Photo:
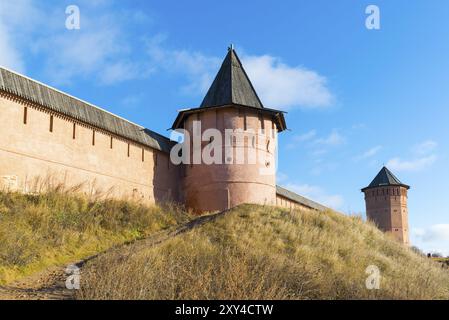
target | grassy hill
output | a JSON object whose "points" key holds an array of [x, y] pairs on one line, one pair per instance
{"points": [[59, 227], [256, 252]]}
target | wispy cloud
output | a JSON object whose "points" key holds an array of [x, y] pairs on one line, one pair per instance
{"points": [[305, 136], [437, 232], [196, 67], [332, 140], [369, 153], [424, 157], [277, 84], [9, 55], [317, 194], [397, 164], [425, 147]]}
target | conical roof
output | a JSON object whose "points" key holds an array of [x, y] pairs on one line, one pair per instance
{"points": [[231, 85], [385, 178]]}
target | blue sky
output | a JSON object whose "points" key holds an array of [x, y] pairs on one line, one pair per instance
{"points": [[356, 98]]}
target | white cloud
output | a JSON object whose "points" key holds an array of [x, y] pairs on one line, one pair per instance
{"points": [[333, 139], [397, 164], [305, 137], [434, 239], [119, 71], [197, 67], [286, 87], [277, 84], [98, 49], [15, 16], [369, 153], [425, 147], [424, 157], [435, 233], [317, 194], [9, 55]]}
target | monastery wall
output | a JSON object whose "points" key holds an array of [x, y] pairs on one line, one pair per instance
{"points": [[39, 148]]}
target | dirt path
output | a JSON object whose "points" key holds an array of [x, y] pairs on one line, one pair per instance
{"points": [[50, 283]]}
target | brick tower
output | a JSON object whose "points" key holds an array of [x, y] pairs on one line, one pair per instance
{"points": [[386, 205], [231, 103]]}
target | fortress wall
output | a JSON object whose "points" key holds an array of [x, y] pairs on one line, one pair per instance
{"points": [[73, 153], [290, 204]]}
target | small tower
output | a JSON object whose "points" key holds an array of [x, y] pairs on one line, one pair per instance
{"points": [[386, 205], [231, 103]]}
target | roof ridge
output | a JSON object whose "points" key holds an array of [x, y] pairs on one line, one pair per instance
{"points": [[61, 102], [69, 95]]}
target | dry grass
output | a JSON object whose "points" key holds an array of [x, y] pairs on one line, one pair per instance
{"points": [[59, 226], [257, 252]]}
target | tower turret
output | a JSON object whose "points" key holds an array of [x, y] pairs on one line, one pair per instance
{"points": [[386, 204], [232, 112]]}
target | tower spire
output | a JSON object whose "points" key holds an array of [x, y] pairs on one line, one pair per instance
{"points": [[232, 85]]}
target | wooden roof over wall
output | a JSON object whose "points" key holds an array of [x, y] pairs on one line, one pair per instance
{"points": [[300, 199], [60, 102]]}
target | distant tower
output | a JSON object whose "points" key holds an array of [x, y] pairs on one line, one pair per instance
{"points": [[386, 205], [231, 103]]}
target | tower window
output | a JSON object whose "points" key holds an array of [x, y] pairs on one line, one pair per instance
{"points": [[143, 154], [110, 142], [51, 123], [25, 115], [128, 149], [73, 131], [93, 137]]}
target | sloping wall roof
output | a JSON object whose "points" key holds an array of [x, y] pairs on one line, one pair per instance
{"points": [[300, 199], [65, 104]]}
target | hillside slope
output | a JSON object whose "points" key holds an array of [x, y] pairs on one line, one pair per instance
{"points": [[256, 252], [60, 227]]}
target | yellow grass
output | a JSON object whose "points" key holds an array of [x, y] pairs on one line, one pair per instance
{"points": [[257, 252], [58, 227]]}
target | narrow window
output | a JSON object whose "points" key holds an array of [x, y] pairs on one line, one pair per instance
{"points": [[143, 154], [245, 126], [51, 123], [25, 115], [110, 143], [93, 137], [128, 149], [74, 131], [268, 145]]}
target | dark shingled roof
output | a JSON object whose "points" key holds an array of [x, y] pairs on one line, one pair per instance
{"points": [[231, 85], [300, 199], [232, 88], [385, 178], [82, 111]]}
